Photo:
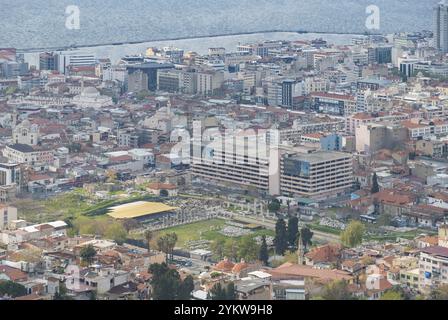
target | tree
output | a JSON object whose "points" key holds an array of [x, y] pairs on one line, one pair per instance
{"points": [[172, 240], [231, 249], [274, 205], [441, 293], [87, 253], [217, 292], [307, 235], [11, 289], [352, 235], [392, 295], [264, 254], [130, 224], [375, 186], [148, 238], [93, 295], [280, 240], [337, 290], [248, 249], [162, 245], [10, 90], [115, 231], [220, 292], [185, 288], [143, 94], [293, 228], [230, 291], [218, 249], [61, 294], [166, 286], [111, 175], [165, 282], [166, 244]]}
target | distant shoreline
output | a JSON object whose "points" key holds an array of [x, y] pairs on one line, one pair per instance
{"points": [[74, 47]]}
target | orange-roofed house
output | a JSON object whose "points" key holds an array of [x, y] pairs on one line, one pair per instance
{"points": [[324, 255], [321, 276], [224, 265], [162, 189]]}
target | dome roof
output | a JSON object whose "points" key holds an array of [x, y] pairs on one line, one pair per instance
{"points": [[224, 265], [90, 91], [240, 266], [26, 123]]}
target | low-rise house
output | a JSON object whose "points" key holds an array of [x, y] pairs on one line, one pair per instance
{"points": [[410, 278], [33, 232], [322, 276], [376, 285], [288, 289], [324, 256], [253, 289], [12, 274], [162, 189], [427, 241], [352, 266], [124, 291]]}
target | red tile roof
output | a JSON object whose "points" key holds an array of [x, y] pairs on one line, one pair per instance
{"points": [[13, 274]]}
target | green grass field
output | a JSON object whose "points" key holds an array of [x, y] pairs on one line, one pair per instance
{"points": [[205, 230]]}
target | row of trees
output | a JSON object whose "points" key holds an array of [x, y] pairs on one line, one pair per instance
{"points": [[103, 226], [286, 236]]}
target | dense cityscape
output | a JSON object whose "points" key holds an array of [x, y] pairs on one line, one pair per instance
{"points": [[277, 170]]}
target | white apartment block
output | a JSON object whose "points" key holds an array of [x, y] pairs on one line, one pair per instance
{"points": [[22, 153], [7, 214], [423, 128], [317, 174], [433, 263], [209, 81], [243, 160]]}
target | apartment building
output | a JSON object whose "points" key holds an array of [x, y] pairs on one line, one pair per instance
{"points": [[333, 103], [433, 263], [7, 214], [318, 174], [235, 161], [23, 153], [419, 128]]}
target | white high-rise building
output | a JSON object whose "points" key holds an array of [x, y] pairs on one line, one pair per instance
{"points": [[440, 21], [75, 59]]}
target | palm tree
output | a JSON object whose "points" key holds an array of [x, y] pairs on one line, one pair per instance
{"points": [[172, 240], [148, 237], [162, 245], [166, 244]]}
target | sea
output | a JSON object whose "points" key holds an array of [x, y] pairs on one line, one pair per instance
{"points": [[26, 24]]}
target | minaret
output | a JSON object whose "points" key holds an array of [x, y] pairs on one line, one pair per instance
{"points": [[168, 107], [300, 251], [14, 118]]}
